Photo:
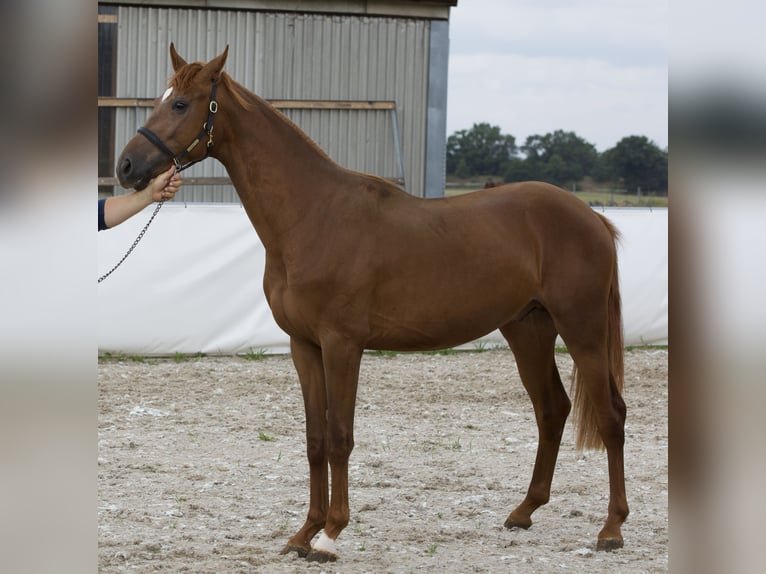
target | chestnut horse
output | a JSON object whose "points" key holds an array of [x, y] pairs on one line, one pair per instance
{"points": [[353, 262]]}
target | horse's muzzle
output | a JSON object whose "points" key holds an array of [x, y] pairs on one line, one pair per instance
{"points": [[129, 175]]}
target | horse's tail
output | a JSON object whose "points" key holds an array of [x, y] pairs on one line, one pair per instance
{"points": [[588, 436]]}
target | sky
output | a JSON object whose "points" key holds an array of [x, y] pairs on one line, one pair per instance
{"points": [[598, 68]]}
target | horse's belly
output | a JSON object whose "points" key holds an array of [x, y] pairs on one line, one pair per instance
{"points": [[431, 327]]}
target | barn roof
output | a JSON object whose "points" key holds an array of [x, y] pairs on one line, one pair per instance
{"points": [[431, 9]]}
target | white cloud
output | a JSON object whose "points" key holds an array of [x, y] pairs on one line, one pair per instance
{"points": [[595, 67], [525, 96], [620, 31]]}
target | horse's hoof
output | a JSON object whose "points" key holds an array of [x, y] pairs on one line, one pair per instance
{"points": [[299, 550], [323, 550], [511, 523], [609, 544], [319, 556]]}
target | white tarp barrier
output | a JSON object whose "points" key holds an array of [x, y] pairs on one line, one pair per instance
{"points": [[195, 283]]}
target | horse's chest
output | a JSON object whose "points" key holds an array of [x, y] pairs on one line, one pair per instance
{"points": [[287, 306]]}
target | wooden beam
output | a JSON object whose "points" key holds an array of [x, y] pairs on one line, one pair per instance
{"points": [[213, 180], [107, 18], [333, 104], [111, 102], [186, 181]]}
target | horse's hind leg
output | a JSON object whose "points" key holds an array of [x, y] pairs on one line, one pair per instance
{"points": [[603, 416], [532, 340]]}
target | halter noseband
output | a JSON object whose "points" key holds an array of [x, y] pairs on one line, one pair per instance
{"points": [[207, 129]]}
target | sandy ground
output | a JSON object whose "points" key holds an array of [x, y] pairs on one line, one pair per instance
{"points": [[202, 468]]}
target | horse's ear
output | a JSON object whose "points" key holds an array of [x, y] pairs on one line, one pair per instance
{"points": [[214, 67], [178, 61]]}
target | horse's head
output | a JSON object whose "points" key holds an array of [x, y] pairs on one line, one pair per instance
{"points": [[180, 129]]}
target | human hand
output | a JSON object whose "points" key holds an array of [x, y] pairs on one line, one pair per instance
{"points": [[164, 186]]}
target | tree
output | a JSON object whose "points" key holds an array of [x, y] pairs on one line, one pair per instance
{"points": [[561, 158], [482, 150], [519, 169], [639, 163]]}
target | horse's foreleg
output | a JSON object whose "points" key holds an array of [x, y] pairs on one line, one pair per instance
{"points": [[308, 363], [341, 362], [532, 341]]}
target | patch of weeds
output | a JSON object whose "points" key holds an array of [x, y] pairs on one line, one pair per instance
{"points": [[447, 352], [255, 354], [183, 357], [630, 348], [382, 353], [481, 346], [432, 549], [265, 437]]}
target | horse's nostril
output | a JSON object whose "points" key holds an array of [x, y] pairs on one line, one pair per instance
{"points": [[125, 167]]}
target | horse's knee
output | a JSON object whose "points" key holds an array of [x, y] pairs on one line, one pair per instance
{"points": [[340, 443], [315, 450], [340, 447]]}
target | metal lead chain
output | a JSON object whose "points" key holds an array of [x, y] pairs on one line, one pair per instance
{"points": [[132, 247]]}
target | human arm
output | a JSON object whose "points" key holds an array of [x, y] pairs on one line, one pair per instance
{"points": [[121, 207]]}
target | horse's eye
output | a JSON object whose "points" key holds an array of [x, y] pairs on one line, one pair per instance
{"points": [[179, 105]]}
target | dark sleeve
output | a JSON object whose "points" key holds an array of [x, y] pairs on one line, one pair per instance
{"points": [[101, 222]]}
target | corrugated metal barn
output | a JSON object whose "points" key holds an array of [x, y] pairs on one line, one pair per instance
{"points": [[366, 79]]}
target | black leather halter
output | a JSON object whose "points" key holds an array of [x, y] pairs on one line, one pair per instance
{"points": [[207, 130]]}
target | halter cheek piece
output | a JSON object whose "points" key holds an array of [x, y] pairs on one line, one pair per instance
{"points": [[207, 130]]}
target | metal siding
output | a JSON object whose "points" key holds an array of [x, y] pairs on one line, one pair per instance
{"points": [[436, 124], [292, 56]]}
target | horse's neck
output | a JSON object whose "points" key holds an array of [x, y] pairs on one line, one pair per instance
{"points": [[280, 175]]}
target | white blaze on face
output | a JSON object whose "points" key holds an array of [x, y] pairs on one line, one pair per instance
{"points": [[167, 93]]}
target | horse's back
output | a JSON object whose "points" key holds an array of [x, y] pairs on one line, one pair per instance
{"points": [[555, 214]]}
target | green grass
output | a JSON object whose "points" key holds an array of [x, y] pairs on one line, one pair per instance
{"points": [[183, 357], [255, 355], [595, 197], [609, 198], [479, 347], [120, 358]]}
